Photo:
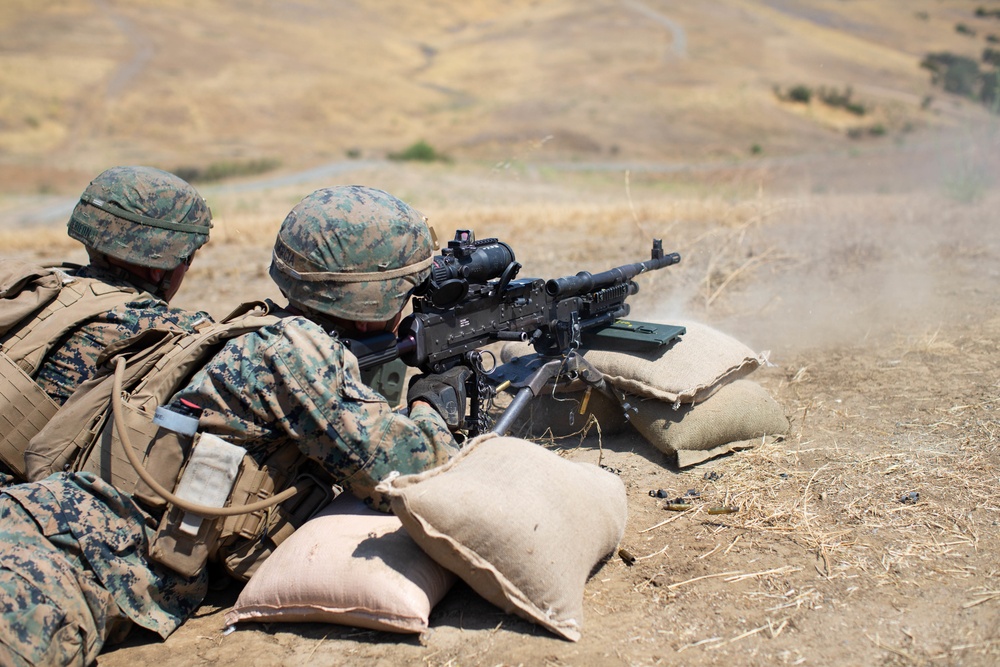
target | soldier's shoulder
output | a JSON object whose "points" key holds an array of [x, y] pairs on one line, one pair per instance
{"points": [[298, 333]]}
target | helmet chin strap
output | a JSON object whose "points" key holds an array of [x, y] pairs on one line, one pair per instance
{"points": [[163, 287], [343, 327], [158, 289]]}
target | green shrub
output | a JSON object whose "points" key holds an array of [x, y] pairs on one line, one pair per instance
{"points": [[876, 130], [961, 77], [963, 29], [956, 74], [938, 63], [833, 97], [189, 174], [856, 108], [989, 93], [800, 93], [218, 171], [419, 151]]}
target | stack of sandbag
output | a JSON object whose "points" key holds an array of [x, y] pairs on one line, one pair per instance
{"points": [[519, 524], [690, 398]]}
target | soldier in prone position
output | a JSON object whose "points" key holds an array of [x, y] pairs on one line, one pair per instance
{"points": [[76, 569], [141, 227]]}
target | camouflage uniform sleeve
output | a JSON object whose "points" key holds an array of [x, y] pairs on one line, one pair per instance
{"points": [[293, 380]]}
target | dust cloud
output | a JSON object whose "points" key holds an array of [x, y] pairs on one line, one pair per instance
{"points": [[861, 261]]}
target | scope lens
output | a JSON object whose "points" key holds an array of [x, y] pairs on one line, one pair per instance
{"points": [[484, 263]]}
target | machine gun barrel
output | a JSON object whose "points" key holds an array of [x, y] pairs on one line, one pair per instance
{"points": [[462, 310], [584, 281]]}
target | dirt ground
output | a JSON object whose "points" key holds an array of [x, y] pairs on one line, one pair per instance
{"points": [[869, 535]]}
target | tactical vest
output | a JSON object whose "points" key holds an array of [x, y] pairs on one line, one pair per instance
{"points": [[83, 437], [39, 307]]}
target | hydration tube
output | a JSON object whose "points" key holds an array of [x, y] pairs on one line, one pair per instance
{"points": [[186, 505]]}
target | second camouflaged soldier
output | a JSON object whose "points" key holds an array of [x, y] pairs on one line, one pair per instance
{"points": [[141, 227], [347, 259]]}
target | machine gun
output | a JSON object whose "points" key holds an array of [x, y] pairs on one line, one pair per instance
{"points": [[474, 298]]}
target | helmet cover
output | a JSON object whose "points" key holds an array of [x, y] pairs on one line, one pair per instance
{"points": [[143, 216], [353, 252]]}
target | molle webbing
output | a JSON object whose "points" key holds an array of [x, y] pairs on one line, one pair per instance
{"points": [[81, 437], [24, 406], [24, 409], [170, 364], [80, 300]]}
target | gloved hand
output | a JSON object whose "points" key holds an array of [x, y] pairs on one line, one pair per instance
{"points": [[445, 392]]}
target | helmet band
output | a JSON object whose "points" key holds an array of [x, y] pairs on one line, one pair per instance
{"points": [[345, 277], [142, 219]]}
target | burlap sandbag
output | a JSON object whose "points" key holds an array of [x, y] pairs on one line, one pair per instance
{"points": [[738, 412], [521, 525], [348, 565], [686, 371]]}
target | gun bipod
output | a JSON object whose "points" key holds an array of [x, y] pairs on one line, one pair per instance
{"points": [[533, 374]]}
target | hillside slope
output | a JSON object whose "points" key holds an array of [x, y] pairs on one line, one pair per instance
{"points": [[170, 82]]}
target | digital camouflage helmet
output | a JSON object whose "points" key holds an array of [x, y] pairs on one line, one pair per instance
{"points": [[353, 252], [143, 216]]}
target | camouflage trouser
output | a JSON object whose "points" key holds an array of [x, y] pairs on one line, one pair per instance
{"points": [[53, 611], [74, 573]]}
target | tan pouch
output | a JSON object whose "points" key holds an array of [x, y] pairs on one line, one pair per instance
{"points": [[24, 409], [181, 552], [184, 540], [25, 288], [246, 540], [243, 541], [161, 451]]}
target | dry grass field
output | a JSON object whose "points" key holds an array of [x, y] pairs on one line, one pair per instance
{"points": [[868, 269], [172, 83]]}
